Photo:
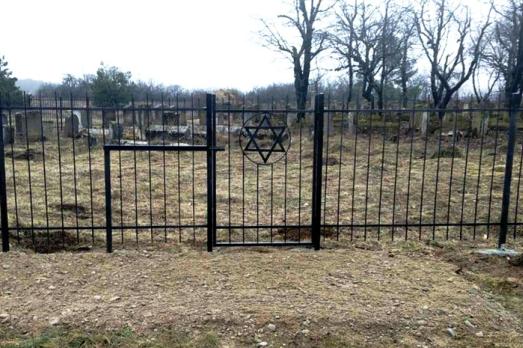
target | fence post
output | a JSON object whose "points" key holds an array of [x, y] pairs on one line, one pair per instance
{"points": [[211, 170], [108, 205], [3, 190], [317, 171], [514, 105]]}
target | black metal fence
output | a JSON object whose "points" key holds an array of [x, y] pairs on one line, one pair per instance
{"points": [[243, 172]]}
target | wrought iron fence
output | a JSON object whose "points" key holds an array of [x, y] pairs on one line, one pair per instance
{"points": [[242, 172]]}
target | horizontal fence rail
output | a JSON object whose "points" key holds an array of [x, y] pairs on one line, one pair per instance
{"points": [[416, 173]]}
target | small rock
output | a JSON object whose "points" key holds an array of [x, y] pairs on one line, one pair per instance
{"points": [[262, 344], [114, 299], [305, 331], [479, 334], [469, 324], [51, 287], [451, 332], [97, 297], [271, 327], [54, 321], [4, 317]]}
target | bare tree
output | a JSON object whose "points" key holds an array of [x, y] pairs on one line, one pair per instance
{"points": [[310, 43], [504, 51], [366, 43], [406, 67], [450, 67], [488, 78]]}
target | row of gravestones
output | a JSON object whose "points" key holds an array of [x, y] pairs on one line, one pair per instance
{"points": [[30, 126], [418, 121]]}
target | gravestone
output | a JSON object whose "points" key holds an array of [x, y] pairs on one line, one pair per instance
{"points": [[172, 118], [424, 123], [202, 117], [328, 124], [156, 115], [73, 125], [108, 117], [128, 117], [86, 121], [350, 124], [7, 131], [116, 131], [19, 124], [29, 125], [480, 122]]}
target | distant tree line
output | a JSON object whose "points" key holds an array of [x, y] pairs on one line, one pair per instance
{"points": [[108, 87]]}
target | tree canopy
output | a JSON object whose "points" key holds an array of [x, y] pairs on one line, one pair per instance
{"points": [[111, 87], [8, 89]]}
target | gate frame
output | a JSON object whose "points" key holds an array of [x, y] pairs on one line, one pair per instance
{"points": [[317, 171]]}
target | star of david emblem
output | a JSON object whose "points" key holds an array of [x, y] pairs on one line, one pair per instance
{"points": [[265, 138]]}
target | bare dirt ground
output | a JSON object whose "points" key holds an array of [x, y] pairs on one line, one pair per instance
{"points": [[364, 294]]}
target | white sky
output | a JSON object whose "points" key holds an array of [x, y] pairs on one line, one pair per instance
{"points": [[192, 43], [203, 44]]}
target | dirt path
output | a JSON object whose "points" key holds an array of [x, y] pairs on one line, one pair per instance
{"points": [[294, 297]]}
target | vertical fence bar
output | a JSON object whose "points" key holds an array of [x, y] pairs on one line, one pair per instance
{"points": [[211, 171], [514, 104], [108, 206], [317, 170], [3, 187]]}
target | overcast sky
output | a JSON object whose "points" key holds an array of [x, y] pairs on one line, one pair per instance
{"points": [[193, 43]]}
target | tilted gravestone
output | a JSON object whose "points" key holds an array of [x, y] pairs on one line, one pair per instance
{"points": [[73, 125], [29, 125]]}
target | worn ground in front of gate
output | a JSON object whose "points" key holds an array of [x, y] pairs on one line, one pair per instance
{"points": [[393, 294]]}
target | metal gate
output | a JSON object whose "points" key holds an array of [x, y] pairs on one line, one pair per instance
{"points": [[278, 155], [255, 144]]}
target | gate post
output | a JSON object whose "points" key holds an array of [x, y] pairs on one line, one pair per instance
{"points": [[3, 191], [211, 170], [514, 105], [317, 171], [108, 199]]}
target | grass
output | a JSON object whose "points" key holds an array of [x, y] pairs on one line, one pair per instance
{"points": [[377, 190], [62, 337]]}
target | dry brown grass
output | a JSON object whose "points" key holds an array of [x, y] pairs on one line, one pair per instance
{"points": [[277, 202]]}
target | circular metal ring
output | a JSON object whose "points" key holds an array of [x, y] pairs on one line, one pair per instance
{"points": [[264, 136]]}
